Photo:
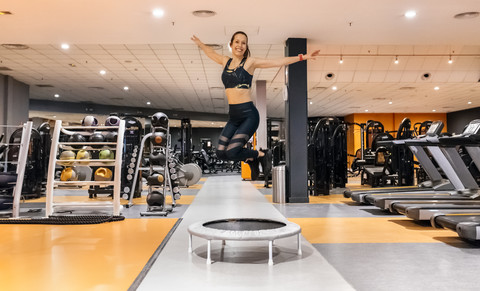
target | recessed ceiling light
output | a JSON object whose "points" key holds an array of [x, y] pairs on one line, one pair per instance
{"points": [[148, 102], [311, 102], [366, 110], [390, 102], [158, 13], [204, 13], [103, 72], [65, 46], [396, 60], [436, 88], [410, 14], [467, 15], [334, 88], [434, 110], [469, 102], [126, 88], [56, 95], [450, 60]]}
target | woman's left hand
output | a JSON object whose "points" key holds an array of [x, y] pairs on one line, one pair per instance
{"points": [[312, 55]]}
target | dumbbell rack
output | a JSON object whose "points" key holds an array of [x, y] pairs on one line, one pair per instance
{"points": [[163, 169], [21, 162], [52, 184]]}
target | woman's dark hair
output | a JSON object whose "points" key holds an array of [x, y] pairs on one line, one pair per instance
{"points": [[246, 54]]}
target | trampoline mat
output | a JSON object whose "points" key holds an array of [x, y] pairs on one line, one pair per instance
{"points": [[244, 224]]}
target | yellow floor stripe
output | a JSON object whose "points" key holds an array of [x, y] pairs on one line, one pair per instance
{"points": [[370, 230], [329, 199], [105, 256]]}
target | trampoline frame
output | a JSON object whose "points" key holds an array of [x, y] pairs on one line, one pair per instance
{"points": [[199, 229]]}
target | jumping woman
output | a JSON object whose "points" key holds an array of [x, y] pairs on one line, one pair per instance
{"points": [[243, 116]]}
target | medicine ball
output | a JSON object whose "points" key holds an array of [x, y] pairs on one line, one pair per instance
{"points": [[67, 155], [103, 174], [111, 136], [112, 121], [155, 179], [157, 158], [96, 137], [160, 119], [159, 138], [68, 174], [155, 198], [84, 173], [106, 155], [77, 137], [89, 121], [83, 155]]}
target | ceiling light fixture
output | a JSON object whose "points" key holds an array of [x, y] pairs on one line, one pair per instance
{"points": [[341, 59], [334, 88], [436, 88], [390, 102], [15, 46], [5, 13], [204, 13], [65, 46], [125, 88], [148, 102], [366, 110], [103, 72], [311, 102], [56, 96], [158, 13], [396, 59], [469, 102], [467, 15], [434, 110], [410, 14], [450, 59]]}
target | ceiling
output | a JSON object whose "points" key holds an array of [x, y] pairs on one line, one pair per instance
{"points": [[155, 58]]}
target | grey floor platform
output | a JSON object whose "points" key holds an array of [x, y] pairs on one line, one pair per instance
{"points": [[239, 265]]}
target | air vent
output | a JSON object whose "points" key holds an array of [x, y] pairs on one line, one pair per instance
{"points": [[215, 46], [467, 15], [355, 107], [5, 69], [218, 98], [407, 88], [447, 107], [15, 46], [329, 76], [44, 85], [204, 13], [379, 98], [96, 88], [319, 88]]}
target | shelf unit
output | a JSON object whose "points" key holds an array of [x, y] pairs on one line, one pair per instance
{"points": [[21, 162], [52, 184], [163, 169]]}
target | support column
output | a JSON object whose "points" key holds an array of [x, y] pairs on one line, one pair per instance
{"points": [[296, 114], [14, 101], [261, 105]]}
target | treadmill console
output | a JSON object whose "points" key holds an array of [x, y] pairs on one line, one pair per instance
{"points": [[435, 129], [472, 128]]}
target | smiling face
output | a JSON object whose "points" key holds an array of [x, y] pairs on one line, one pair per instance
{"points": [[239, 44]]}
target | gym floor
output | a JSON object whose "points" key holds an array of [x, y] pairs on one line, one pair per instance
{"points": [[346, 246]]}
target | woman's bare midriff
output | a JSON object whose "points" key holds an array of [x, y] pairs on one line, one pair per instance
{"points": [[237, 96]]}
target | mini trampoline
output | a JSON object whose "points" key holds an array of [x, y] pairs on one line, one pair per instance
{"points": [[244, 229]]}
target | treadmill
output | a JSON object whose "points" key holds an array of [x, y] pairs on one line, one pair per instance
{"points": [[436, 182], [467, 225], [445, 153]]}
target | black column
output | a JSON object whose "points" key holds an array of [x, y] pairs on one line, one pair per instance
{"points": [[296, 123]]}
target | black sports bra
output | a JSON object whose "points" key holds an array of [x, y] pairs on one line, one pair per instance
{"points": [[238, 77]]}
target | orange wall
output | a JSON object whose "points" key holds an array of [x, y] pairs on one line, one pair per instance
{"points": [[390, 121]]}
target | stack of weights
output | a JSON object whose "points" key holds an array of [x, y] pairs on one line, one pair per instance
{"points": [[173, 167]]}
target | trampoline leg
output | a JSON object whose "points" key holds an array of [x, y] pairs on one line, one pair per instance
{"points": [[190, 243], [270, 247], [209, 259], [299, 245]]}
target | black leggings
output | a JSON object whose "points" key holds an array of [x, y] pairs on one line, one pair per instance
{"points": [[242, 124]]}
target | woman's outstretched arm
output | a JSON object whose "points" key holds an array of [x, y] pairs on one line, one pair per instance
{"points": [[271, 63], [213, 55]]}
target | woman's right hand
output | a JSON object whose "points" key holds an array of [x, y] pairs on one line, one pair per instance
{"points": [[196, 40]]}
